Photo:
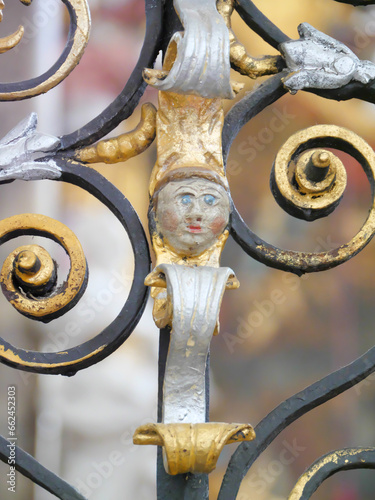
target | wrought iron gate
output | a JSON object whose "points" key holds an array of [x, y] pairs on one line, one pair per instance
{"points": [[307, 180]]}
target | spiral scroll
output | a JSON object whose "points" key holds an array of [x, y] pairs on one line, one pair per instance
{"points": [[286, 194], [28, 274], [23, 262]]}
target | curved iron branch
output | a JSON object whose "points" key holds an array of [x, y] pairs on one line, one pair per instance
{"points": [[123, 106], [326, 466], [259, 23], [250, 106], [287, 412]]}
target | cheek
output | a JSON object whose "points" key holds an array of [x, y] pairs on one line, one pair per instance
{"points": [[218, 224], [169, 220]]}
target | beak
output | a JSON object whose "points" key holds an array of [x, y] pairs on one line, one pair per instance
{"points": [[26, 2]]}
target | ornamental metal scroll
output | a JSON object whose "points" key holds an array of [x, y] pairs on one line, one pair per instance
{"points": [[191, 215]]}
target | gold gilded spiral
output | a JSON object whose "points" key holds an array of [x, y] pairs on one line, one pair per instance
{"points": [[29, 274], [310, 184]]}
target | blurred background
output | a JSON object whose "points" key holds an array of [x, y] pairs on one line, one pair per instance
{"points": [[82, 427]]}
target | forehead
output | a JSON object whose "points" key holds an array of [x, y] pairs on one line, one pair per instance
{"points": [[195, 186]]}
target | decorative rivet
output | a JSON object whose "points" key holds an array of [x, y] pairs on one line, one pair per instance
{"points": [[27, 262]]}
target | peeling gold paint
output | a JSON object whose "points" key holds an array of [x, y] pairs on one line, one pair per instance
{"points": [[9, 355], [334, 457]]}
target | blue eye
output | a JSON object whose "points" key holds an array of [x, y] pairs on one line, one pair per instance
{"points": [[186, 199], [209, 199]]}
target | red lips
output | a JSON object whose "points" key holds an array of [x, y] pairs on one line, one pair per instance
{"points": [[195, 229]]}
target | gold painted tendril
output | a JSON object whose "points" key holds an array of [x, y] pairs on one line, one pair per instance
{"points": [[126, 145], [29, 275], [241, 61]]}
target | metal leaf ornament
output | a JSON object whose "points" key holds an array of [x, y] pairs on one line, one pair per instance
{"points": [[20, 150], [318, 61]]}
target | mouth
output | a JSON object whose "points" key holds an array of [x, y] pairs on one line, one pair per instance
{"points": [[194, 228]]}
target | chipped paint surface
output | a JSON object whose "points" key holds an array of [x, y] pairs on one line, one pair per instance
{"points": [[17, 360]]}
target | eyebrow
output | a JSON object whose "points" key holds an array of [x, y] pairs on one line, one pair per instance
{"points": [[186, 189], [192, 190]]}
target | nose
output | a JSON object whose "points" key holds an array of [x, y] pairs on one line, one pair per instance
{"points": [[195, 212]]}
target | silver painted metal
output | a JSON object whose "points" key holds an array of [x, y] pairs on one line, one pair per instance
{"points": [[20, 149], [195, 294], [318, 61], [202, 65]]}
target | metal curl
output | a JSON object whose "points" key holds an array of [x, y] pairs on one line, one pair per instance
{"points": [[288, 412], [326, 466], [28, 274], [301, 262], [104, 343], [78, 37]]}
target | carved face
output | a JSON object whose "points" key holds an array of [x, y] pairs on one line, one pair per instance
{"points": [[192, 214]]}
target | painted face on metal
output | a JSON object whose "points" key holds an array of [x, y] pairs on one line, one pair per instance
{"points": [[192, 214]]}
